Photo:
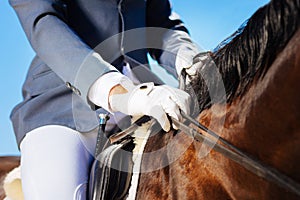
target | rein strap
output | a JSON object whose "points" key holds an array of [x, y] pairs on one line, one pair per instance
{"points": [[237, 155]]}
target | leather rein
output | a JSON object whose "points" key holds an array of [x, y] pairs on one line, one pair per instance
{"points": [[238, 156], [232, 152], [223, 147]]}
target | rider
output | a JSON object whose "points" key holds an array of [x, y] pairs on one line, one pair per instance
{"points": [[76, 67]]}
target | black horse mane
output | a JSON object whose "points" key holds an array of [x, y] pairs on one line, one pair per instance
{"points": [[249, 55]]}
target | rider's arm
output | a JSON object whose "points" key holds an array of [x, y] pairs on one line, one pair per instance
{"points": [[58, 45], [174, 41]]}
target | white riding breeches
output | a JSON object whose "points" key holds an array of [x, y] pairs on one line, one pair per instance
{"points": [[56, 160], [55, 163]]}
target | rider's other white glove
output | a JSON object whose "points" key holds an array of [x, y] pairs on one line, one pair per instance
{"points": [[190, 65], [144, 99]]}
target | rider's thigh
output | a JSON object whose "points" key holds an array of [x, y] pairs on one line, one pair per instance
{"points": [[54, 164]]}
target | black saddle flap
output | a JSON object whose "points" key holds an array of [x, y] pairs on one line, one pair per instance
{"points": [[111, 172]]}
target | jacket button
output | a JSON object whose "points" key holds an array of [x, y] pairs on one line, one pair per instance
{"points": [[68, 84], [76, 91]]}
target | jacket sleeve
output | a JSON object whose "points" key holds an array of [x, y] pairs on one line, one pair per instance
{"points": [[174, 39], [57, 45]]}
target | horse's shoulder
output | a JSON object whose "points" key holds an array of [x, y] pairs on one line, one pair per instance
{"points": [[8, 163]]}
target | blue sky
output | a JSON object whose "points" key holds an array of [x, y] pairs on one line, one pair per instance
{"points": [[209, 22]]}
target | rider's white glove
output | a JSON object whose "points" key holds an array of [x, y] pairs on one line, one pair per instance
{"points": [[143, 99], [190, 65]]}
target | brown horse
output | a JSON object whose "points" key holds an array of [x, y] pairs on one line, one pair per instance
{"points": [[261, 73], [6, 165]]}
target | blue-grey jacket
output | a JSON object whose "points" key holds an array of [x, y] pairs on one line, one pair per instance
{"points": [[70, 40]]}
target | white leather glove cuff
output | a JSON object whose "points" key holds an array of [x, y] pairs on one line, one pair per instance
{"points": [[184, 59], [100, 89], [123, 103]]}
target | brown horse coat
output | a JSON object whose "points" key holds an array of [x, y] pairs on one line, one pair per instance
{"points": [[7, 164]]}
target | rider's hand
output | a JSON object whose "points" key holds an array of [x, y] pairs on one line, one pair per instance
{"points": [[191, 69], [145, 99]]}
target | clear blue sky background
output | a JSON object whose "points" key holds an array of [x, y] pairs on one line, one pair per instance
{"points": [[209, 21]]}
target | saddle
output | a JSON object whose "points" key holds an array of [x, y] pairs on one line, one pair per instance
{"points": [[111, 172]]}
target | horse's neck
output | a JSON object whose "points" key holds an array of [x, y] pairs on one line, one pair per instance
{"points": [[271, 108], [265, 121]]}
